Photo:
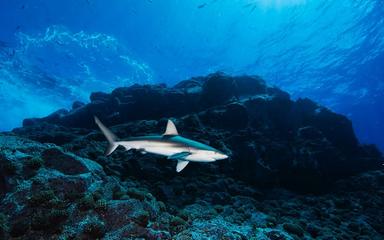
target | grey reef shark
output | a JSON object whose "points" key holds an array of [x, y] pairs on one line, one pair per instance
{"points": [[170, 144]]}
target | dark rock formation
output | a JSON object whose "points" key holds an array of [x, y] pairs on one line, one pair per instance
{"points": [[55, 182], [271, 139]]}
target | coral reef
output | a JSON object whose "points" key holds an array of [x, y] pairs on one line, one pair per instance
{"points": [[271, 138], [296, 169]]}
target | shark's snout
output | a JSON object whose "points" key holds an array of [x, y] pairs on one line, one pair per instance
{"points": [[221, 156]]}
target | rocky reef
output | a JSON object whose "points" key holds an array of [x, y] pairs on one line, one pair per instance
{"points": [[296, 169]]}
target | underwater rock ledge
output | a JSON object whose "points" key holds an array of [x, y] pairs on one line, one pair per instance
{"points": [[272, 139], [55, 182]]}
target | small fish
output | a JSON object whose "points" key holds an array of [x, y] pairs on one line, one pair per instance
{"points": [[206, 4], [59, 43], [252, 6], [202, 5]]}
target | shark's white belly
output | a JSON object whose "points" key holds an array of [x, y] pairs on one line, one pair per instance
{"points": [[169, 148], [157, 147], [199, 156], [164, 151]]}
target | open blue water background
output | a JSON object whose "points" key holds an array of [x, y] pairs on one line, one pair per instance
{"points": [[55, 52]]}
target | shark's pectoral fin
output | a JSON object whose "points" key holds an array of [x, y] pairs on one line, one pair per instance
{"points": [[181, 164], [179, 155]]}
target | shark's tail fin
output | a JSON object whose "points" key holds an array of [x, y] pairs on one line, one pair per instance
{"points": [[109, 135]]}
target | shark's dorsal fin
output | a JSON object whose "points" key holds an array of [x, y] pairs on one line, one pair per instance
{"points": [[171, 129], [181, 165]]}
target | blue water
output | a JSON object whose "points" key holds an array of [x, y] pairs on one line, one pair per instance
{"points": [[55, 52]]}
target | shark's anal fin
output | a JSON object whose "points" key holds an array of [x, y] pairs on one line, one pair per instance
{"points": [[171, 129], [181, 164], [180, 155]]}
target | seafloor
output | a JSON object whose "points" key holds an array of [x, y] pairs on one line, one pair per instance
{"points": [[296, 169]]}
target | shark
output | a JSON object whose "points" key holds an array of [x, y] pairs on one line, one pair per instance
{"points": [[170, 144]]}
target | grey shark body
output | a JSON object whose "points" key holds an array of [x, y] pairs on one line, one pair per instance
{"points": [[170, 144]]}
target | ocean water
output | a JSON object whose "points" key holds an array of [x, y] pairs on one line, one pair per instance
{"points": [[55, 52], [260, 92]]}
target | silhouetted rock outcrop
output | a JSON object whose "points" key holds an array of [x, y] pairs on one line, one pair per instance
{"points": [[271, 138], [56, 183]]}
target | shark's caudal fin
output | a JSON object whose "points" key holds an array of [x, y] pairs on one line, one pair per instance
{"points": [[109, 135]]}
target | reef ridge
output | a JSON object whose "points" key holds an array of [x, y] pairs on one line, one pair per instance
{"points": [[296, 169]]}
